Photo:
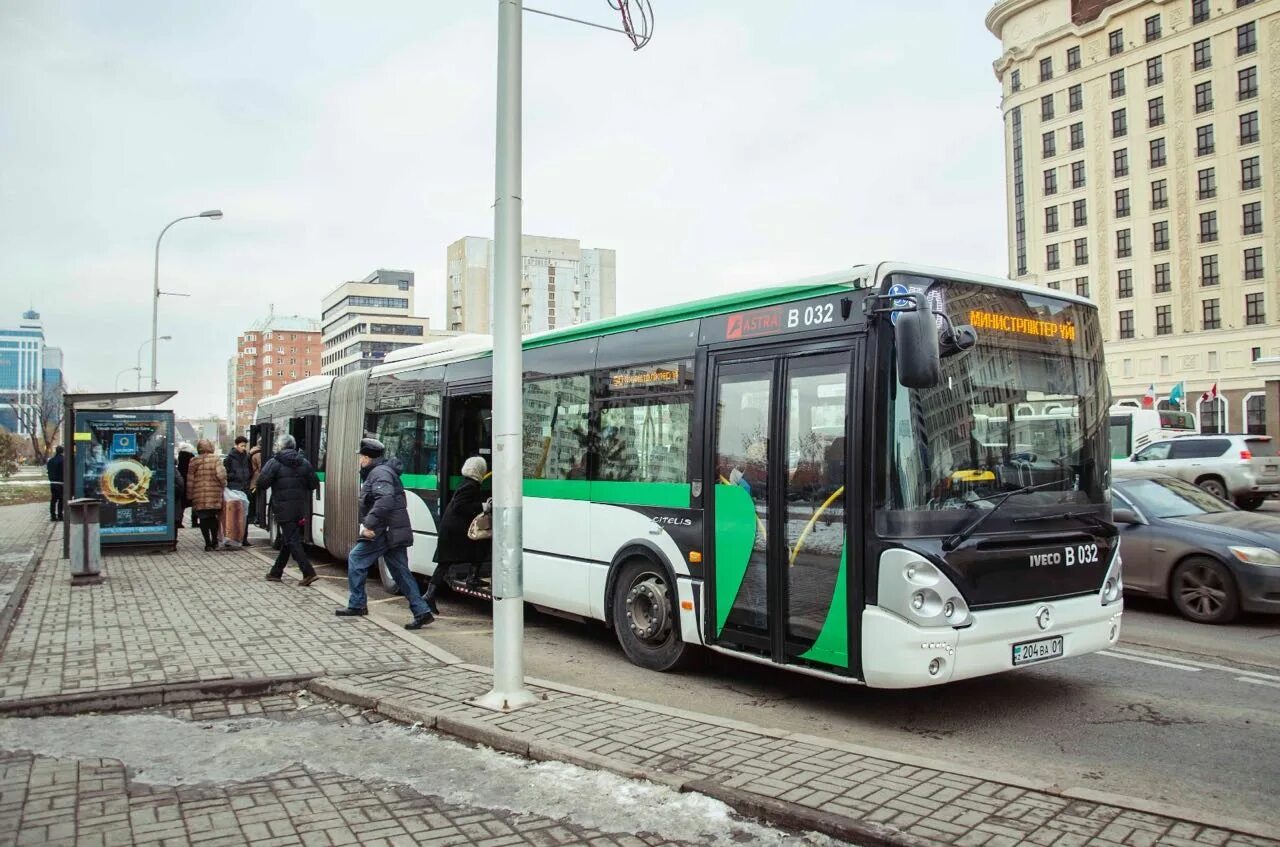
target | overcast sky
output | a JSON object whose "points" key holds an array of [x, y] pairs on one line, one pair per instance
{"points": [[748, 144]]}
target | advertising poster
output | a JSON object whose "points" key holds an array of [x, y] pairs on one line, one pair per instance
{"points": [[125, 460]]}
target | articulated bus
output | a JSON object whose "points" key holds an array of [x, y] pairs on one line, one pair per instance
{"points": [[793, 475]]}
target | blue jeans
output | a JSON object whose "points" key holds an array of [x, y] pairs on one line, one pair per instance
{"points": [[365, 555]]}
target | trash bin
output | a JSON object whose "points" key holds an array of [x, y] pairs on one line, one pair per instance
{"points": [[86, 544]]}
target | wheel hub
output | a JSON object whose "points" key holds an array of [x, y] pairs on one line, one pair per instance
{"points": [[648, 613]]}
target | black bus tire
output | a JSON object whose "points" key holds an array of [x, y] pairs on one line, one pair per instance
{"points": [[645, 617]]}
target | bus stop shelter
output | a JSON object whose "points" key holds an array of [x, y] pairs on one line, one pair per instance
{"points": [[119, 450]]}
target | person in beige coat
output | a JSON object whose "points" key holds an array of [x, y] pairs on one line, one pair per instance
{"points": [[206, 478]]}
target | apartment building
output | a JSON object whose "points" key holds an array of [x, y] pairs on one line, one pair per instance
{"points": [[364, 321], [1142, 172], [272, 353]]}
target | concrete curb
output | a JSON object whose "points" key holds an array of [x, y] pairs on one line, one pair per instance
{"points": [[13, 606], [143, 696]]}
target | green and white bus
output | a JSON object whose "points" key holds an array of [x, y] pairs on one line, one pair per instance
{"points": [[792, 475]]}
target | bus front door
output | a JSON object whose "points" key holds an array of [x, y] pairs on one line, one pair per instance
{"points": [[779, 453]]}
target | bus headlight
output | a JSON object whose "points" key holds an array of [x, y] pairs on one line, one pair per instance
{"points": [[1113, 584], [917, 590]]}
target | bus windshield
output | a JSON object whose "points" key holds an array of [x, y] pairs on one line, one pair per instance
{"points": [[1027, 406]]}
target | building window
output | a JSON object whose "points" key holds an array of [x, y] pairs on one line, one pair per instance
{"points": [[1250, 173], [1163, 278], [1124, 283], [1073, 58], [1124, 244], [1155, 112], [1115, 42], [1160, 194], [1075, 98], [1077, 136], [1152, 27], [1051, 181], [1051, 219], [1082, 286], [1158, 156], [1082, 251], [1046, 107], [1126, 323], [1015, 80], [1160, 235], [1211, 314], [1119, 124], [1120, 162], [1255, 353], [1199, 11], [1019, 203], [1155, 71], [1253, 263], [1252, 218], [1122, 203], [1117, 83], [1202, 55], [1204, 96], [1247, 83], [1204, 140], [1051, 257], [1207, 187], [1077, 174], [1209, 271], [1164, 320], [1049, 145], [1046, 69], [1056, 286], [1249, 128], [1079, 213], [1208, 227], [1247, 39], [1254, 310], [1255, 415]]}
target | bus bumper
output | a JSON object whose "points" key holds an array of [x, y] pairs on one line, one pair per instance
{"points": [[899, 654]]}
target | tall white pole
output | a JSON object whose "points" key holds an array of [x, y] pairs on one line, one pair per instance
{"points": [[508, 565]]}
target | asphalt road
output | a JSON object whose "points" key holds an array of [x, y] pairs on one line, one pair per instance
{"points": [[1179, 712]]}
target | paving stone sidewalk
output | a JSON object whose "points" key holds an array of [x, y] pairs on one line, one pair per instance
{"points": [[23, 529], [163, 618]]}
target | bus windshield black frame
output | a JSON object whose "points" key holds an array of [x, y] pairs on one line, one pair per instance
{"points": [[1027, 406]]}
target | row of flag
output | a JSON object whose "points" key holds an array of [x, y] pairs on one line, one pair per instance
{"points": [[1176, 396]]}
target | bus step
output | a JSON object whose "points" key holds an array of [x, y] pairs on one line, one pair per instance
{"points": [[482, 592]]}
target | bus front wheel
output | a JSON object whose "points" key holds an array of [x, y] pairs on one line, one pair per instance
{"points": [[644, 616]]}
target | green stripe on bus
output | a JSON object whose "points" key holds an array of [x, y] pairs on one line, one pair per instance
{"points": [[736, 523], [832, 646], [320, 475], [427, 481], [673, 495]]}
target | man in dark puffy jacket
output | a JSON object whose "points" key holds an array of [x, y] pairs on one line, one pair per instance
{"points": [[55, 468], [385, 533], [291, 480]]}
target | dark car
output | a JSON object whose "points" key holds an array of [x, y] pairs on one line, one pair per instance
{"points": [[1182, 543]]}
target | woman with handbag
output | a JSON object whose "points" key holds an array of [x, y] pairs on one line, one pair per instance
{"points": [[459, 542]]}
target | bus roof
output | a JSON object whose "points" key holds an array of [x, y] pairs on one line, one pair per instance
{"points": [[856, 278]]}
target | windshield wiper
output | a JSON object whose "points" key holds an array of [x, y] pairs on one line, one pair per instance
{"points": [[1085, 517], [951, 542]]}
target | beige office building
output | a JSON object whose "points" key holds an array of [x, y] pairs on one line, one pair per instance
{"points": [[1143, 172], [561, 284], [362, 321]]}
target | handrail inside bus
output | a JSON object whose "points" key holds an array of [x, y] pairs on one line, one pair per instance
{"points": [[804, 534]]}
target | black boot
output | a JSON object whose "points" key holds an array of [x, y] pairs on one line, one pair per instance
{"points": [[419, 621], [351, 613], [429, 596]]}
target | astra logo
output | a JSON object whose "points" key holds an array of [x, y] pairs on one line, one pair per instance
{"points": [[751, 324]]}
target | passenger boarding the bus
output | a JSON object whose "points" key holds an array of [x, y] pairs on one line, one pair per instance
{"points": [[454, 546]]}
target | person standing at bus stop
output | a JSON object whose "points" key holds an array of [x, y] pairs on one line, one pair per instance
{"points": [[55, 468], [240, 475], [291, 480], [385, 533], [206, 477]]}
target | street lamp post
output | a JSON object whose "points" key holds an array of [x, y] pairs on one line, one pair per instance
{"points": [[122, 373], [212, 214], [138, 360]]}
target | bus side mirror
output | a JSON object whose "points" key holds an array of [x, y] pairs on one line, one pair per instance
{"points": [[916, 337]]}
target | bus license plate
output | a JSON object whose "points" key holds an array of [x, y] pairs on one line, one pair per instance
{"points": [[1037, 651]]}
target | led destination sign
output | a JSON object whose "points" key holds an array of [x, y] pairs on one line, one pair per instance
{"points": [[1035, 327]]}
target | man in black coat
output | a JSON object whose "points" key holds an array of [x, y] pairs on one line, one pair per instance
{"points": [[385, 533], [55, 469], [291, 480], [240, 474]]}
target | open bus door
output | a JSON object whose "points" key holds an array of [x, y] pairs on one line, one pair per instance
{"points": [[305, 430], [261, 435], [468, 431]]}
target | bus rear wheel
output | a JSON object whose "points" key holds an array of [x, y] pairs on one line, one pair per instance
{"points": [[388, 582], [644, 617]]}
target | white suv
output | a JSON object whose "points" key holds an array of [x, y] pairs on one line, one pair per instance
{"points": [[1243, 468]]}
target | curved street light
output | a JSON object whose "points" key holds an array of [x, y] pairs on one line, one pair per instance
{"points": [[211, 214], [138, 359], [122, 373]]}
